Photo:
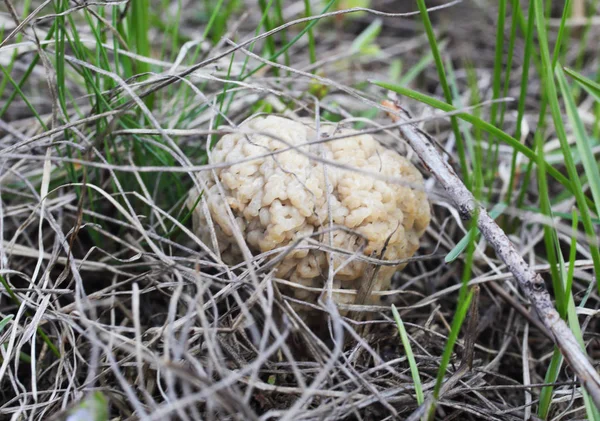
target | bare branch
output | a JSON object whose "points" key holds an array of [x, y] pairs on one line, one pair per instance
{"points": [[530, 281]]}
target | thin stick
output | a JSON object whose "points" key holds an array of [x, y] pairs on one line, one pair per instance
{"points": [[530, 281]]}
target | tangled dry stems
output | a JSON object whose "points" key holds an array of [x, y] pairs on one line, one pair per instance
{"points": [[140, 309]]}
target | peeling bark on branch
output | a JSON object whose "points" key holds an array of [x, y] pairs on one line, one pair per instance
{"points": [[530, 281]]}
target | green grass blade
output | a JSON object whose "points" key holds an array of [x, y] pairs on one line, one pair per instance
{"points": [[498, 64], [446, 88], [416, 70], [589, 85], [366, 37], [457, 321], [523, 93], [269, 48], [472, 142], [414, 370], [562, 33], [15, 53], [551, 376], [311, 37], [39, 330], [284, 34], [572, 254], [18, 91], [139, 28], [582, 140], [5, 321], [509, 59], [544, 102], [493, 144], [473, 232]]}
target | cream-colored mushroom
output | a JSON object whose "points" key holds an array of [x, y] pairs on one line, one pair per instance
{"points": [[287, 197]]}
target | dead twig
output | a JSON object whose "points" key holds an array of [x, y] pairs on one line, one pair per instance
{"points": [[530, 281]]}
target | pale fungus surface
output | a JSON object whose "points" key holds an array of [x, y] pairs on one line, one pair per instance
{"points": [[286, 196]]}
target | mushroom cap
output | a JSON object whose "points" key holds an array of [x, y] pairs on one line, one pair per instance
{"points": [[285, 197]]}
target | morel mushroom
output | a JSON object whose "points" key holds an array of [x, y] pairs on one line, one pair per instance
{"points": [[284, 198]]}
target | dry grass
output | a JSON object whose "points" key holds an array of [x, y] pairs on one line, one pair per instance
{"points": [[99, 255]]}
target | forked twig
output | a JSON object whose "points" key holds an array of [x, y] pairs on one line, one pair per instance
{"points": [[530, 281]]}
